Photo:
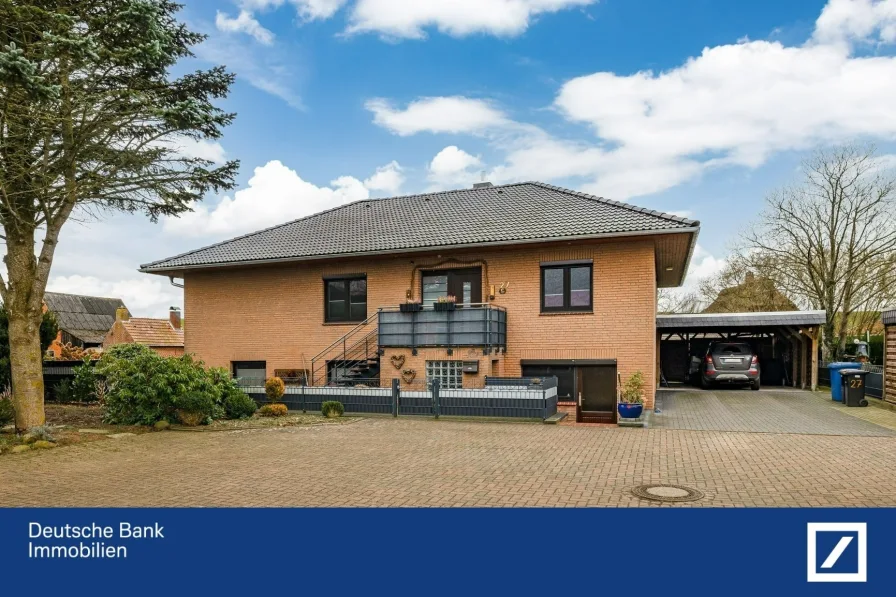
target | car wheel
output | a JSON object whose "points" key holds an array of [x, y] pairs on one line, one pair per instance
{"points": [[754, 385], [705, 383]]}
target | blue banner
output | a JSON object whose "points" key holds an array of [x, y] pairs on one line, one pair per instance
{"points": [[441, 551]]}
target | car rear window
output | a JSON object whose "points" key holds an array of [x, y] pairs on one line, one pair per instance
{"points": [[733, 349]]}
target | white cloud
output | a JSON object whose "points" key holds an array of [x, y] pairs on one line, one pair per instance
{"points": [[145, 296], [733, 105], [452, 167], [410, 18], [858, 20], [269, 68], [244, 23], [201, 148], [308, 10], [437, 115], [387, 179], [277, 194]]}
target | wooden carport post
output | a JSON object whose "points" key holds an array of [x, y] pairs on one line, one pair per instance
{"points": [[804, 345], [814, 334], [793, 338]]}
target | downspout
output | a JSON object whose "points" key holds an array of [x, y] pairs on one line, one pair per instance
{"points": [[173, 283]]}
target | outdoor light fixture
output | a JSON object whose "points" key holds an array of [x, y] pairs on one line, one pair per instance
{"points": [[669, 268]]}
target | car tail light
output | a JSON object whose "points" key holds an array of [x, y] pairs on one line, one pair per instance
{"points": [[755, 362], [709, 363]]}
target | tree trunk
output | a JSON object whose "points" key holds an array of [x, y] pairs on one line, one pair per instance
{"points": [[23, 300], [26, 362]]}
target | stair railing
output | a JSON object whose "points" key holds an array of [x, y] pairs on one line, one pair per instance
{"points": [[341, 348]]}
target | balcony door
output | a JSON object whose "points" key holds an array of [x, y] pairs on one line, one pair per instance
{"points": [[465, 285]]}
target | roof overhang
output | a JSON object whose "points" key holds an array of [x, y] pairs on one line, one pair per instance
{"points": [[889, 316], [728, 321], [669, 253]]}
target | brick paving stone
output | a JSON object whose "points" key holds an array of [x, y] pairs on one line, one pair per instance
{"points": [[768, 411], [421, 462]]}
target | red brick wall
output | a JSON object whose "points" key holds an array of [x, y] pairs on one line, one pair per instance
{"points": [[276, 313]]}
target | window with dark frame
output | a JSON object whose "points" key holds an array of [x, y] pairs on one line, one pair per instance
{"points": [[345, 299], [566, 288]]}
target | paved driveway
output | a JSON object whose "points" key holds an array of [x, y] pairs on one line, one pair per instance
{"points": [[767, 411], [414, 462]]}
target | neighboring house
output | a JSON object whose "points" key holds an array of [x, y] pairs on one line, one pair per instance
{"points": [[83, 320], [888, 318], [755, 294], [165, 336], [548, 281]]}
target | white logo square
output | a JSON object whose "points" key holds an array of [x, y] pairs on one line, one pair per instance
{"points": [[817, 573]]}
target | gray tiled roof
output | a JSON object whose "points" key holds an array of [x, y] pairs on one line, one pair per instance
{"points": [[87, 318], [734, 320], [518, 212], [889, 316]]}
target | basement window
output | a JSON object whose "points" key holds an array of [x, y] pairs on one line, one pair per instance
{"points": [[450, 374]]}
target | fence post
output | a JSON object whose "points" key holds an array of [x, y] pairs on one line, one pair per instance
{"points": [[396, 392], [304, 411], [435, 398]]}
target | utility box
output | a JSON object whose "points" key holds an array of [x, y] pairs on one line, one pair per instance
{"points": [[471, 367]]}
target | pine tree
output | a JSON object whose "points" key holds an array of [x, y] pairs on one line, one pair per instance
{"points": [[92, 119]]}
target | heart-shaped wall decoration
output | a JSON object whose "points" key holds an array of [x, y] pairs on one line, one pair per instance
{"points": [[408, 375], [397, 360]]}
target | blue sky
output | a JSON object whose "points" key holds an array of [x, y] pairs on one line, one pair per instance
{"points": [[698, 108]]}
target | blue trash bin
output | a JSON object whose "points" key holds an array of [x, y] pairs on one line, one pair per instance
{"points": [[836, 387]]}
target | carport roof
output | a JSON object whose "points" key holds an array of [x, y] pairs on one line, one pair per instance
{"points": [[739, 320], [889, 316]]}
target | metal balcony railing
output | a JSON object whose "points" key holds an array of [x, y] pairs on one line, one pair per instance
{"points": [[478, 324]]}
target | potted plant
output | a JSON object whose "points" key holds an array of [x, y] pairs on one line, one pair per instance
{"points": [[410, 307], [631, 398], [445, 303]]}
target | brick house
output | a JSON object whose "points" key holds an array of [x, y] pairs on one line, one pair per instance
{"points": [[83, 320], [165, 336], [547, 281]]}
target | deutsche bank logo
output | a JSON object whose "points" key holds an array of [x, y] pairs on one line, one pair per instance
{"points": [[837, 551]]}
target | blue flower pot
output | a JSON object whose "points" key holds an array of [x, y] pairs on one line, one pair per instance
{"points": [[629, 411]]}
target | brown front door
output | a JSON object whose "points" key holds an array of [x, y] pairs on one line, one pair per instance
{"points": [[463, 284], [596, 385]]}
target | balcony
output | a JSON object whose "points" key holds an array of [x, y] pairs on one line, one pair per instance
{"points": [[480, 325]]}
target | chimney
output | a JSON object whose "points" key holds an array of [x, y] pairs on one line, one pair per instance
{"points": [[122, 314], [482, 185], [174, 317]]}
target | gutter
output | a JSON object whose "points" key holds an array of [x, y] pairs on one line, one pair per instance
{"points": [[172, 271]]}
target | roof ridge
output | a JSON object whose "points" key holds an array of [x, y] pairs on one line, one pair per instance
{"points": [[623, 204], [108, 298], [321, 213]]}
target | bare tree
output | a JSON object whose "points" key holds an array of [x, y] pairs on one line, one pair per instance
{"points": [[677, 300], [829, 242]]}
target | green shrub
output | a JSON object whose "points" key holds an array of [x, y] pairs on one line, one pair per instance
{"points": [[7, 412], [41, 433], [236, 404], [83, 388], [332, 409], [62, 391], [272, 410], [633, 389], [274, 388], [144, 387]]}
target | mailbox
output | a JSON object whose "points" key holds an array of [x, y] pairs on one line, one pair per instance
{"points": [[471, 367]]}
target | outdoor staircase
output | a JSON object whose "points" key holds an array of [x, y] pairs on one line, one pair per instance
{"points": [[356, 355]]}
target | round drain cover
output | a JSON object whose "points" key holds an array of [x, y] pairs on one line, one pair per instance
{"points": [[667, 493]]}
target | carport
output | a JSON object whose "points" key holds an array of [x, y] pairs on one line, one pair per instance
{"points": [[787, 343]]}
